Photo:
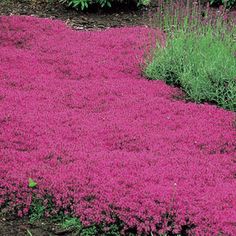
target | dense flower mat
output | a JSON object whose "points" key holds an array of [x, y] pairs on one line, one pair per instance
{"points": [[78, 118]]}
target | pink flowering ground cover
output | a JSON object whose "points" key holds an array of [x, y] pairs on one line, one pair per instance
{"points": [[77, 117]]}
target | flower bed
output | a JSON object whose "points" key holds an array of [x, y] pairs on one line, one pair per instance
{"points": [[77, 117]]}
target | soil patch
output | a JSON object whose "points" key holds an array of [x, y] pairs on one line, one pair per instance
{"points": [[93, 19], [22, 227]]}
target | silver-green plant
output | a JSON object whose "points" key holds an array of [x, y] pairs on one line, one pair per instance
{"points": [[199, 55]]}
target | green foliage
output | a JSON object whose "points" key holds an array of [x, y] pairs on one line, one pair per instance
{"points": [[29, 233], [143, 2], [90, 231], [72, 223], [113, 230], [227, 3], [43, 207], [104, 3], [198, 57], [40, 206], [32, 183], [37, 210], [84, 4]]}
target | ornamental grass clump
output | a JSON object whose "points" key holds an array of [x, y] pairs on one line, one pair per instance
{"points": [[199, 54]]}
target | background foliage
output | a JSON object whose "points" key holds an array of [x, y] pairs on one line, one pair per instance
{"points": [[84, 4], [227, 3]]}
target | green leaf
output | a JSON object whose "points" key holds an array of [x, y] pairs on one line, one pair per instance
{"points": [[82, 6], [32, 183]]}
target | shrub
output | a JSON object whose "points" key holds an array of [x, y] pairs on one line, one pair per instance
{"points": [[84, 4], [199, 55]]}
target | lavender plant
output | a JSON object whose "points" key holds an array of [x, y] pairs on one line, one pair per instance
{"points": [[199, 55]]}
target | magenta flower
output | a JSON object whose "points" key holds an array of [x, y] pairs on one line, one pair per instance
{"points": [[77, 117]]}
